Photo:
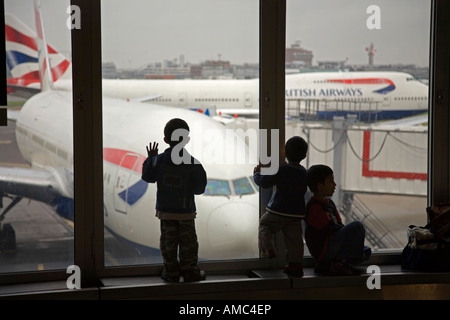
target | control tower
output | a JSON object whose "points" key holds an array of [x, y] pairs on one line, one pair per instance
{"points": [[371, 52]]}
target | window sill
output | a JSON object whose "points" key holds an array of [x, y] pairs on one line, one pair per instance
{"points": [[257, 284]]}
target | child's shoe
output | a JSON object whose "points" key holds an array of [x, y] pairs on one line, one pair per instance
{"points": [[267, 254], [367, 253], [294, 270], [322, 267], [355, 270], [340, 268], [194, 275], [170, 277]]}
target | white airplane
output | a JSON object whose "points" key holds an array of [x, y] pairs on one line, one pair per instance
{"points": [[372, 96], [228, 211]]}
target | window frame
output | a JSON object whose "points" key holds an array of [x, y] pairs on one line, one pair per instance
{"points": [[87, 113], [438, 99], [272, 78]]}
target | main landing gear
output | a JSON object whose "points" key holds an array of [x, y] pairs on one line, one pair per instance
{"points": [[7, 233]]}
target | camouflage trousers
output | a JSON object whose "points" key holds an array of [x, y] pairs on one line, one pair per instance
{"points": [[179, 239]]}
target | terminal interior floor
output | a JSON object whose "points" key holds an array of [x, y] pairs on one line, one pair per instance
{"points": [[395, 284]]}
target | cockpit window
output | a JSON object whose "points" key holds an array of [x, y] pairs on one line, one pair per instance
{"points": [[253, 183], [242, 186], [217, 188]]}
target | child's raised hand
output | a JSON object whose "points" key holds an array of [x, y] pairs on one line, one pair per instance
{"points": [[152, 150]]}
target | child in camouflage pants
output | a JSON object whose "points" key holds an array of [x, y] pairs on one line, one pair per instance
{"points": [[175, 207]]}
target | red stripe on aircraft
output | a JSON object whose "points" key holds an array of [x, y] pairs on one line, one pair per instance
{"points": [[363, 81], [126, 159], [25, 80], [59, 70], [33, 76], [367, 172], [15, 36]]}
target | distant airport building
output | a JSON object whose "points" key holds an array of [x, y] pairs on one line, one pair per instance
{"points": [[169, 69], [214, 69], [297, 55], [246, 71], [109, 70], [331, 65]]}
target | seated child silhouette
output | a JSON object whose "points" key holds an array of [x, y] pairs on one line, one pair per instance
{"points": [[335, 247]]}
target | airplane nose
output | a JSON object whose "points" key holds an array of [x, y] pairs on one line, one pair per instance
{"points": [[233, 231]]}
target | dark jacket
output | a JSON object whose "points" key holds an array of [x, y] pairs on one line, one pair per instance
{"points": [[289, 197], [322, 221], [176, 184]]}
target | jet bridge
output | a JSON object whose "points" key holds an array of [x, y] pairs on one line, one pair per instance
{"points": [[368, 158], [375, 159]]}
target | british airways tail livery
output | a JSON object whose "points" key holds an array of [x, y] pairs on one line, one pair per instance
{"points": [[22, 58]]}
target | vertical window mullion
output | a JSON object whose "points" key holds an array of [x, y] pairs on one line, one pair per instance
{"points": [[88, 158], [272, 81], [439, 115]]}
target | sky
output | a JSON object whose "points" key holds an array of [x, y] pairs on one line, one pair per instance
{"points": [[138, 32]]}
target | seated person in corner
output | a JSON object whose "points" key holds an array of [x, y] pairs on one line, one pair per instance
{"points": [[335, 247]]}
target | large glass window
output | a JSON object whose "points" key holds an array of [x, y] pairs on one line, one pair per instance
{"points": [[387, 190], [357, 91], [196, 60], [36, 148]]}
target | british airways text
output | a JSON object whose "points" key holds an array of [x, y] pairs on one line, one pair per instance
{"points": [[294, 93]]}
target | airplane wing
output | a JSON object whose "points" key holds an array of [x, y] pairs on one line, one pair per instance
{"points": [[22, 91], [145, 98], [35, 184], [12, 114], [243, 112]]}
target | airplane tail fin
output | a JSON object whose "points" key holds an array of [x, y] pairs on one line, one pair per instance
{"points": [[22, 56], [45, 74]]}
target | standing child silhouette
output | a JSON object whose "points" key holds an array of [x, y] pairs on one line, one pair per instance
{"points": [[286, 208], [177, 182]]}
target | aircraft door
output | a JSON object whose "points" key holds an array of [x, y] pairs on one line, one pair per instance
{"points": [[248, 101], [182, 99], [122, 182], [386, 100]]}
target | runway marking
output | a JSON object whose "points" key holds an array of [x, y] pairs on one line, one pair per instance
{"points": [[69, 222], [69, 238], [112, 261], [13, 164]]}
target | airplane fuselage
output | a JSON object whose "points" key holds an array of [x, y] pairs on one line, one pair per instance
{"points": [[226, 222], [381, 95]]}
